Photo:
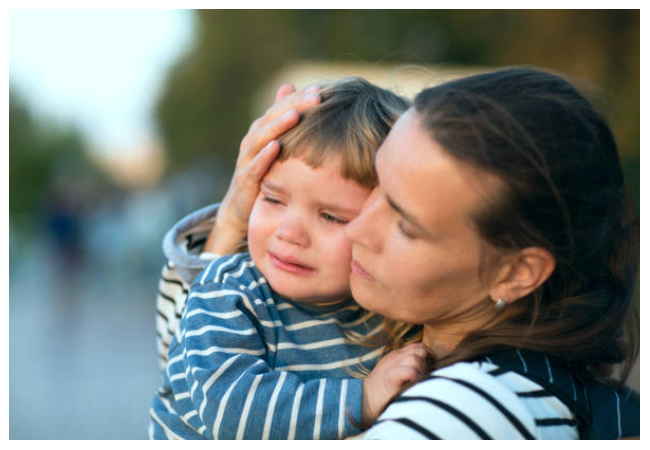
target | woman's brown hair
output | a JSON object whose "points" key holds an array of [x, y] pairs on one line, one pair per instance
{"points": [[563, 190]]}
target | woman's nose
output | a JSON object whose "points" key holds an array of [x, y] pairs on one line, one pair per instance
{"points": [[292, 231], [364, 229]]}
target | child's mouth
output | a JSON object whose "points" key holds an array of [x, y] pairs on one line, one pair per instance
{"points": [[290, 266]]}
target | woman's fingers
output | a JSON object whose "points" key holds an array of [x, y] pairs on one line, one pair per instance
{"points": [[271, 131], [259, 148], [281, 117], [261, 164], [284, 90], [257, 151], [300, 101], [286, 99]]}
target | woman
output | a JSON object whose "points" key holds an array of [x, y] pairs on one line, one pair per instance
{"points": [[502, 232]]}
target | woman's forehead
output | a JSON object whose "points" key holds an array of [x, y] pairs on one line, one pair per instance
{"points": [[423, 179]]}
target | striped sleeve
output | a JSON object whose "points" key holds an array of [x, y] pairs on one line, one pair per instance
{"points": [[224, 384], [457, 402]]}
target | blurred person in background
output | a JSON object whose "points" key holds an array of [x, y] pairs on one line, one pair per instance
{"points": [[64, 222]]}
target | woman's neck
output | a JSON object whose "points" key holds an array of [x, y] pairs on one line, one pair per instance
{"points": [[444, 337], [440, 341]]}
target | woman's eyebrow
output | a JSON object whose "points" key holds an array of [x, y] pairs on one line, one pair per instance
{"points": [[412, 220]]}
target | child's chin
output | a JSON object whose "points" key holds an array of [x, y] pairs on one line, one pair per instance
{"points": [[298, 294], [285, 289]]}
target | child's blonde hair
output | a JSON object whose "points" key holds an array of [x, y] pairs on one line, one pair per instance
{"points": [[352, 120]]}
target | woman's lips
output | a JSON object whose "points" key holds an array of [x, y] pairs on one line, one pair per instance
{"points": [[358, 270], [290, 266]]}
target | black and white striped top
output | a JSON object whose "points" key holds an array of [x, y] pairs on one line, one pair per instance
{"points": [[475, 400], [170, 302]]}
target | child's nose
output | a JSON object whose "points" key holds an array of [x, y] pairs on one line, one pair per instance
{"points": [[293, 231]]}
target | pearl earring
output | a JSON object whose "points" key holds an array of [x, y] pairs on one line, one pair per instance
{"points": [[500, 304]]}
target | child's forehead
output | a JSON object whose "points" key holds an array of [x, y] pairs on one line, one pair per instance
{"points": [[330, 162], [298, 172], [312, 151]]}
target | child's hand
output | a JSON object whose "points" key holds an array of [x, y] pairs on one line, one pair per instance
{"points": [[392, 372], [257, 152]]}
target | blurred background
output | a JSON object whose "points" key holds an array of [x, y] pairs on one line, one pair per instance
{"points": [[122, 122]]}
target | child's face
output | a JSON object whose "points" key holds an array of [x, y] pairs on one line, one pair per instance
{"points": [[295, 233]]}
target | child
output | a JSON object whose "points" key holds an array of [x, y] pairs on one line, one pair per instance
{"points": [[266, 344]]}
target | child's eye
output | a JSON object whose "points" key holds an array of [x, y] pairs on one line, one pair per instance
{"points": [[331, 218], [272, 200], [406, 234]]}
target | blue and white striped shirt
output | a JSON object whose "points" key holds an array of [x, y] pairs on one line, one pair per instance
{"points": [[247, 363]]}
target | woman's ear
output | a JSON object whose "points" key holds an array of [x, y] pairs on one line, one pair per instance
{"points": [[522, 273]]}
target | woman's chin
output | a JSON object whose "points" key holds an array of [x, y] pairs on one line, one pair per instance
{"points": [[362, 293]]}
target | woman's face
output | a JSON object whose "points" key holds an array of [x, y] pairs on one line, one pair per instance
{"points": [[415, 254]]}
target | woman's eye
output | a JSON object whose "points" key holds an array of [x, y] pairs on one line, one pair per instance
{"points": [[406, 234], [331, 218]]}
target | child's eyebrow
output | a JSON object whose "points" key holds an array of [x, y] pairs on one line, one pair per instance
{"points": [[338, 208], [272, 186]]}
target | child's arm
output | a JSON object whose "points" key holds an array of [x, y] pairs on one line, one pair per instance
{"points": [[393, 373], [224, 384]]}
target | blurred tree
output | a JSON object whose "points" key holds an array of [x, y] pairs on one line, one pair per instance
{"points": [[43, 156], [204, 110]]}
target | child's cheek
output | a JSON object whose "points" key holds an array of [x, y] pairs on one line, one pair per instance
{"points": [[340, 253], [255, 223]]}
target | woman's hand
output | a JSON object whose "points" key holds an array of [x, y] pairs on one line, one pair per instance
{"points": [[258, 150], [391, 375]]}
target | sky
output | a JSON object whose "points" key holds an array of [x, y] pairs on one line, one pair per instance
{"points": [[100, 70]]}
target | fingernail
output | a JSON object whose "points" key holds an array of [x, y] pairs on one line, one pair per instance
{"points": [[312, 97], [312, 89]]}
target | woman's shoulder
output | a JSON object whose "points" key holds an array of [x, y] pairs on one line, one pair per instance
{"points": [[472, 400], [183, 243]]}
